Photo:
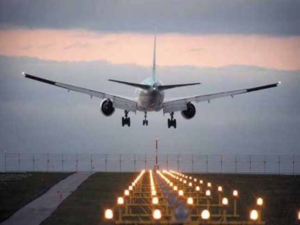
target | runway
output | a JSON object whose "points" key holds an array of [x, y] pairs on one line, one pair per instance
{"points": [[41, 208]]}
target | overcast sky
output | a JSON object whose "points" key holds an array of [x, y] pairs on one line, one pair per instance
{"points": [[235, 45]]}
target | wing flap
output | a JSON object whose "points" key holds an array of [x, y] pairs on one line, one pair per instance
{"points": [[181, 104], [118, 101]]}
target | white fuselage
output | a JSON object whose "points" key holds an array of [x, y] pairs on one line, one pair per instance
{"points": [[152, 99]]}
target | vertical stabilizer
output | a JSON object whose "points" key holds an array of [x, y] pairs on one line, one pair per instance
{"points": [[154, 58]]}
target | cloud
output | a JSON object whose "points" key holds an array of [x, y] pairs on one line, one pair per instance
{"points": [[172, 49], [269, 17]]}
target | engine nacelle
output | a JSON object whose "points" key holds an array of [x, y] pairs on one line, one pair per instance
{"points": [[107, 107], [190, 112]]}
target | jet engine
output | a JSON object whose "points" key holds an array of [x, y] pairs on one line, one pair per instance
{"points": [[107, 107], [190, 112]]}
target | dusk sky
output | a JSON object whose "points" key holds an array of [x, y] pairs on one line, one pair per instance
{"points": [[225, 45]]}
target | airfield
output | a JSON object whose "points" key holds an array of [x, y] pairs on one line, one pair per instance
{"points": [[130, 197]]}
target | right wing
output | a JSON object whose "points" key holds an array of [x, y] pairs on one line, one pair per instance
{"points": [[181, 103], [118, 101]]}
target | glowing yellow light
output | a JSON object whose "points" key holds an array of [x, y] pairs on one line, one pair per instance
{"points": [[190, 201], [171, 184], [175, 188], [153, 193], [299, 215], [225, 201], [184, 181], [120, 201], [108, 214], [205, 215], [126, 193], [208, 184], [190, 184], [254, 215], [197, 188], [180, 192], [155, 201], [190, 178], [201, 181], [235, 193], [130, 188], [156, 214], [195, 179], [220, 189], [259, 201], [207, 193]]}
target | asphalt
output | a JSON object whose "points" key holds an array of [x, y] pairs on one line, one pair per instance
{"points": [[39, 209]]}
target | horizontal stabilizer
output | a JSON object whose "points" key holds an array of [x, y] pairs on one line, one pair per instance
{"points": [[165, 87], [142, 86]]}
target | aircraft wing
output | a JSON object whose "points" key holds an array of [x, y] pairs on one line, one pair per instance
{"points": [[181, 103], [119, 102]]}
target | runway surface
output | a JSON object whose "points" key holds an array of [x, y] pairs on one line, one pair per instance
{"points": [[39, 209]]}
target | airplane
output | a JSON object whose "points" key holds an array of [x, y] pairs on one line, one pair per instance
{"points": [[150, 97]]}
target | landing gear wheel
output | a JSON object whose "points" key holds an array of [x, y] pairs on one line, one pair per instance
{"points": [[126, 119], [172, 122], [145, 121]]}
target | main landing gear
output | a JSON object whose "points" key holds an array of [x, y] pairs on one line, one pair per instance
{"points": [[145, 121], [126, 119], [172, 121]]}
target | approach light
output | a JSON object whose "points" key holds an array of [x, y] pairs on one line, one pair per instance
{"points": [[220, 189], [180, 192], [155, 201], [197, 188], [207, 193], [120, 201], [108, 214], [205, 215], [156, 214], [235, 193], [225, 201], [254, 215], [126, 193], [190, 201], [260, 201]]}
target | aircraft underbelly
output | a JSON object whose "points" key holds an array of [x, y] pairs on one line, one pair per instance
{"points": [[150, 100]]}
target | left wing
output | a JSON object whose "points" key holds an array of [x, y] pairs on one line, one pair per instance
{"points": [[181, 104], [118, 101]]}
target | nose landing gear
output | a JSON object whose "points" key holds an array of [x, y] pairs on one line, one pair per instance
{"points": [[145, 121], [172, 121], [126, 119]]}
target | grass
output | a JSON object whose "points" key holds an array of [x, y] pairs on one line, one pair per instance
{"points": [[87, 204], [280, 193], [18, 189]]}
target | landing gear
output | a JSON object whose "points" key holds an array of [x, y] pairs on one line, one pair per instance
{"points": [[172, 121], [145, 121], [126, 119]]}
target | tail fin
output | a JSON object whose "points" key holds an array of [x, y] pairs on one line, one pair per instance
{"points": [[154, 58]]}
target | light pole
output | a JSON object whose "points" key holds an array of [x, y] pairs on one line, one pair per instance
{"points": [[156, 157]]}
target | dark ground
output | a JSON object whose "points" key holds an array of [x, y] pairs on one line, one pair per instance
{"points": [[280, 193], [18, 189]]}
